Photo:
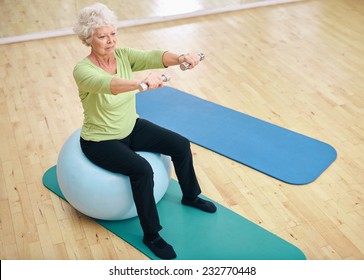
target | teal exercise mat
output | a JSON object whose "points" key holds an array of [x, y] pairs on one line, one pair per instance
{"points": [[278, 152], [196, 235]]}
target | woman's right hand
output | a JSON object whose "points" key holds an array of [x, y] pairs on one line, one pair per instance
{"points": [[153, 81]]}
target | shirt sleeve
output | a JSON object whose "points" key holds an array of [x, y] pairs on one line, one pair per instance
{"points": [[89, 79], [142, 60]]}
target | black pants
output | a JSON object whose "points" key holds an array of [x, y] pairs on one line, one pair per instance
{"points": [[119, 156]]}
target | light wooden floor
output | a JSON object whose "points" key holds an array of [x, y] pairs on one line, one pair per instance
{"points": [[300, 66]]}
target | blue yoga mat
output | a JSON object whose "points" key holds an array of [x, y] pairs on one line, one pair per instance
{"points": [[196, 235], [278, 152]]}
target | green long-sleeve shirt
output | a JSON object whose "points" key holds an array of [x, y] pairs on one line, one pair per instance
{"points": [[108, 116]]}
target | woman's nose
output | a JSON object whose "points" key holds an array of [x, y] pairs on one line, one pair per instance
{"points": [[109, 39]]}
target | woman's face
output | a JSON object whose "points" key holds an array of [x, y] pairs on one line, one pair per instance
{"points": [[104, 40]]}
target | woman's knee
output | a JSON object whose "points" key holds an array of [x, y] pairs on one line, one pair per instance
{"points": [[146, 169], [184, 145], [141, 168]]}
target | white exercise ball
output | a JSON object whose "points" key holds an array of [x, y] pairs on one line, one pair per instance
{"points": [[99, 193]]}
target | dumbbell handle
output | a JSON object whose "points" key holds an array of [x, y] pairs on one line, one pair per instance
{"points": [[144, 86], [185, 65]]}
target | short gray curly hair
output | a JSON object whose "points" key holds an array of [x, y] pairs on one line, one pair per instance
{"points": [[92, 17]]}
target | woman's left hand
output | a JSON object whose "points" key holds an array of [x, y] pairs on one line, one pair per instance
{"points": [[192, 59]]}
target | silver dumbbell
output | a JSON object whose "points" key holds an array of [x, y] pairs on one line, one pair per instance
{"points": [[184, 65], [144, 86]]}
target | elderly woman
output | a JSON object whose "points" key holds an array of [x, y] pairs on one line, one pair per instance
{"points": [[112, 130]]}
